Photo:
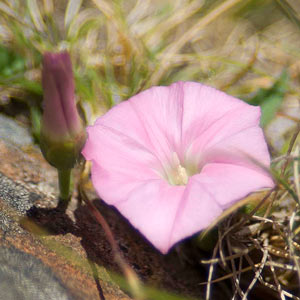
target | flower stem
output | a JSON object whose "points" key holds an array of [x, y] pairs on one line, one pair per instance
{"points": [[132, 278], [65, 182]]}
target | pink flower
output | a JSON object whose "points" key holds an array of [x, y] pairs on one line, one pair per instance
{"points": [[171, 159]]}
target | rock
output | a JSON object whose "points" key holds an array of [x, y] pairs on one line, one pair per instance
{"points": [[25, 277], [14, 133], [16, 195]]}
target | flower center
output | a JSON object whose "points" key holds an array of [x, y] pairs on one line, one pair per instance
{"points": [[180, 176], [178, 173]]}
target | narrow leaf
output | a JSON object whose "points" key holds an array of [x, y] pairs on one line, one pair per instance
{"points": [[271, 99]]}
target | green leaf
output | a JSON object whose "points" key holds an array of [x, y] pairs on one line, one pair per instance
{"points": [[10, 63], [270, 99], [31, 86], [286, 185]]}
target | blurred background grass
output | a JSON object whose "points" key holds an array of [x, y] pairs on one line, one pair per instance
{"points": [[247, 48], [119, 48]]}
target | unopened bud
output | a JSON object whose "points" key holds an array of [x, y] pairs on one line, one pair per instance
{"points": [[62, 131]]}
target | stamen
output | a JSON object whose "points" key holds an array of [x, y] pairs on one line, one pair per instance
{"points": [[181, 176], [178, 174]]}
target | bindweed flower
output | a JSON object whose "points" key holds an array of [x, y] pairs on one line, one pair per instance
{"points": [[62, 131], [172, 159]]}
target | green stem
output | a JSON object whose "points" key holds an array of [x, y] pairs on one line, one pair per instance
{"points": [[65, 182]]}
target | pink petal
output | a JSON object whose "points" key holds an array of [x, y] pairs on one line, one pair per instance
{"points": [[120, 164], [228, 182], [209, 193], [152, 118], [232, 127], [245, 147], [197, 210], [123, 118], [152, 209], [211, 115]]}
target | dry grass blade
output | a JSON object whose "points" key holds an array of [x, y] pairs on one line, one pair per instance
{"points": [[139, 11], [107, 9], [236, 275], [292, 118], [282, 157], [250, 268], [210, 273], [263, 196], [291, 244], [291, 225], [230, 275], [257, 273], [282, 296], [274, 288], [289, 11], [115, 19], [48, 6], [274, 264], [296, 171], [291, 145], [233, 256], [72, 10], [288, 159], [193, 31], [188, 36], [243, 72], [175, 19], [6, 10], [36, 16], [81, 19]]}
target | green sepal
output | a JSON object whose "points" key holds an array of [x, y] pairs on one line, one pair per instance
{"points": [[62, 155]]}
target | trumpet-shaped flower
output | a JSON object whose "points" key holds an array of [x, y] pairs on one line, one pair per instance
{"points": [[172, 159]]}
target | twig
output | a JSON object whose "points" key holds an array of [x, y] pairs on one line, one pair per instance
{"points": [[257, 274], [210, 273], [290, 242], [235, 278], [272, 287], [282, 296], [233, 256]]}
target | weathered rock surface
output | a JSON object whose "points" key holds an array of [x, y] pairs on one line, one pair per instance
{"points": [[67, 252]]}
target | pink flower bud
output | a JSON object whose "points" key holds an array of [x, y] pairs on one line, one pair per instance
{"points": [[62, 132]]}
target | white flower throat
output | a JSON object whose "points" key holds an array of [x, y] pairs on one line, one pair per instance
{"points": [[178, 174]]}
